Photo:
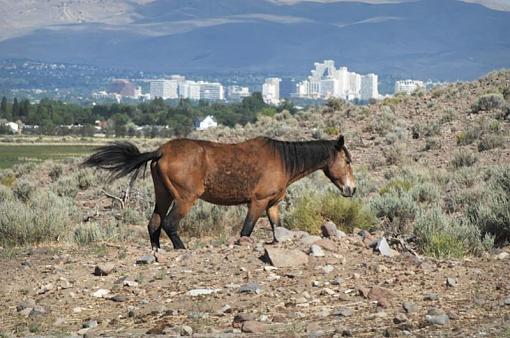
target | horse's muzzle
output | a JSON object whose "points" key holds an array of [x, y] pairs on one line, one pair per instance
{"points": [[348, 191]]}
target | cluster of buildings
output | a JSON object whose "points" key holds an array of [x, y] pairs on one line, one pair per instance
{"points": [[177, 87], [408, 86], [326, 81]]}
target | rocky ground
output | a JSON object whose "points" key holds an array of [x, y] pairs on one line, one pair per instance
{"points": [[303, 286]]}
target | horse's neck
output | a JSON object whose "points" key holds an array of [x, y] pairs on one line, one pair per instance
{"points": [[306, 172]]}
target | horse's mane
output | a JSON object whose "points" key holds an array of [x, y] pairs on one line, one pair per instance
{"points": [[298, 157]]}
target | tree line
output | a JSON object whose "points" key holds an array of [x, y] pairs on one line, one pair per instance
{"points": [[54, 117]]}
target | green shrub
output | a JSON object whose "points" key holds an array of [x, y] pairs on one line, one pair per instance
{"points": [[42, 218], [467, 137], [398, 208], [5, 194], [311, 211], [7, 178], [488, 102], [397, 184], [490, 141], [24, 190], [463, 159], [393, 154], [132, 216], [66, 186], [23, 169], [425, 192], [209, 219], [55, 172], [491, 212]]}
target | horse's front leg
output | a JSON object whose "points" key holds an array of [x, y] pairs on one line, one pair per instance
{"points": [[273, 213], [255, 209]]}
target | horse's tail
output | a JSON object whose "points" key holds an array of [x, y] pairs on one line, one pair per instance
{"points": [[121, 159]]}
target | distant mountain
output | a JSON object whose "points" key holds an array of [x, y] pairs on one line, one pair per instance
{"points": [[436, 39]]}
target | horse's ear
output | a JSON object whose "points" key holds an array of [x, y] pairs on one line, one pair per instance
{"points": [[340, 142]]}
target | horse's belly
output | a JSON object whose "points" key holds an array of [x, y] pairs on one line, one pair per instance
{"points": [[229, 189]]}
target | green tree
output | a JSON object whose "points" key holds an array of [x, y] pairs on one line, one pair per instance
{"points": [[15, 109], [4, 109]]}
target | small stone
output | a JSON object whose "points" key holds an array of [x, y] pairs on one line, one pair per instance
{"points": [[430, 296], [119, 298], [381, 295], [342, 312], [437, 319], [316, 283], [285, 258], [45, 288], [186, 330], [329, 230], [356, 275], [250, 288], [328, 268], [502, 255], [400, 318], [283, 234], [25, 312], [146, 259], [337, 281], [89, 324], [308, 240], [130, 283], [202, 292], [64, 283], [38, 310], [384, 249], [245, 241], [327, 244], [243, 317], [252, 326], [316, 251], [410, 307], [507, 301], [226, 309], [100, 293], [327, 291], [29, 303], [436, 312], [451, 282], [104, 269]]}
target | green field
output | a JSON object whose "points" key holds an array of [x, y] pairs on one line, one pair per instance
{"points": [[11, 154]]}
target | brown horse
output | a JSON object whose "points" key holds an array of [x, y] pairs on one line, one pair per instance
{"points": [[256, 172]]}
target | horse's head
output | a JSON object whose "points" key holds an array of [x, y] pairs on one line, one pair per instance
{"points": [[339, 169]]}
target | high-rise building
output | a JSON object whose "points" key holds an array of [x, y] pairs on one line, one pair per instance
{"points": [[160, 88], [271, 90], [211, 91], [236, 93], [369, 87]]}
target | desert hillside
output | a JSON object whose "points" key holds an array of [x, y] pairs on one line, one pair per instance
{"points": [[421, 250]]}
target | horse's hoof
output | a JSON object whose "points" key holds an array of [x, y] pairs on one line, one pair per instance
{"points": [[245, 241]]}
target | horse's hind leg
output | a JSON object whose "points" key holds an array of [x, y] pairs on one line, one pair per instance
{"points": [[163, 201], [171, 221]]}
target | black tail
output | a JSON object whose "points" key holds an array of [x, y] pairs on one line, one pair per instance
{"points": [[121, 159]]}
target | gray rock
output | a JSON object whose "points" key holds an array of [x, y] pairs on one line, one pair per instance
{"points": [[308, 240], [104, 269], [147, 259], [436, 312], [252, 326], [283, 234], [507, 301], [316, 251], [119, 298], [384, 249], [451, 282], [328, 268], [250, 288], [26, 304], [430, 296], [437, 319], [285, 258], [186, 330], [400, 318], [25, 312], [202, 292], [89, 324], [38, 310], [101, 293], [243, 317], [410, 307], [342, 312], [329, 230], [502, 255], [337, 281]]}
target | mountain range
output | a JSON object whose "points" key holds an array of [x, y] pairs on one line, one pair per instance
{"points": [[427, 39]]}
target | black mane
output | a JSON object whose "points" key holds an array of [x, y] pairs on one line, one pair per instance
{"points": [[299, 157]]}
